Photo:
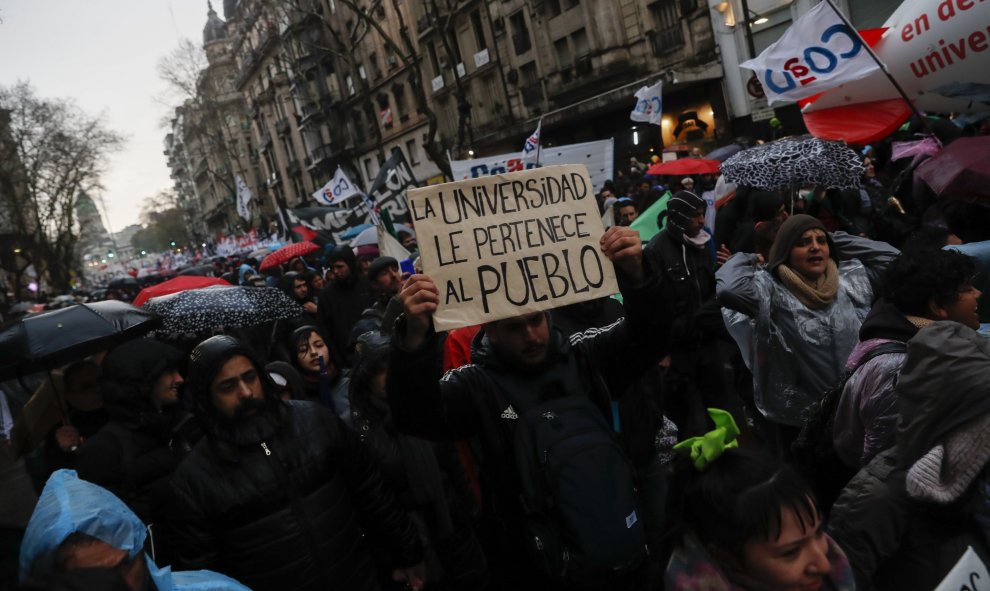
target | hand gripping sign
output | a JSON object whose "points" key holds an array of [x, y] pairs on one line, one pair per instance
{"points": [[510, 244]]}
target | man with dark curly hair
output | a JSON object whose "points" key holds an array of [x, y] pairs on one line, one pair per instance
{"points": [[922, 286]]}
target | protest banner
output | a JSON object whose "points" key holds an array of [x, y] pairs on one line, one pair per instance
{"points": [[597, 156], [938, 51], [510, 244], [388, 192]]}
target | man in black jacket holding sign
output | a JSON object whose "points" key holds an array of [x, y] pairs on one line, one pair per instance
{"points": [[559, 496]]}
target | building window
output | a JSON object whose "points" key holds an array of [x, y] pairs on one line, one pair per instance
{"points": [[350, 85], [569, 4], [553, 8], [563, 53], [362, 72], [520, 33], [413, 150], [529, 86], [376, 72], [401, 105], [433, 58], [479, 31], [580, 41], [290, 154], [667, 33], [297, 187], [367, 170]]}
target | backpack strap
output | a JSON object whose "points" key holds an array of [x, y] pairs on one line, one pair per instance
{"points": [[882, 349]]}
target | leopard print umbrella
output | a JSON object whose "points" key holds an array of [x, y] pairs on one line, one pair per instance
{"points": [[791, 162]]}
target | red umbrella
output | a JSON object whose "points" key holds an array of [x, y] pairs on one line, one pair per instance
{"points": [[961, 170], [287, 253], [175, 285], [684, 166]]}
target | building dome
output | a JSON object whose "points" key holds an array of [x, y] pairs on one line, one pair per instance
{"points": [[215, 28]]}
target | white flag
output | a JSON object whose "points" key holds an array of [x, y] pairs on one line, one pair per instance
{"points": [[532, 146], [818, 52], [388, 246], [339, 188], [649, 104], [243, 198]]}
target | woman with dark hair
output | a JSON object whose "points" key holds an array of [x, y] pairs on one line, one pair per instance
{"points": [[807, 304], [427, 476], [323, 378], [746, 522]]}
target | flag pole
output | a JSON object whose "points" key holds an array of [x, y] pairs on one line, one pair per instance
{"points": [[883, 67], [539, 141]]}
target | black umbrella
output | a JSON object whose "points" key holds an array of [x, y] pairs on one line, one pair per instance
{"points": [[123, 281], [201, 270], [54, 338], [796, 161], [724, 153], [202, 310]]}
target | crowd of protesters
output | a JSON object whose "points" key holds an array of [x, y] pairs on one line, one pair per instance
{"points": [[788, 396]]}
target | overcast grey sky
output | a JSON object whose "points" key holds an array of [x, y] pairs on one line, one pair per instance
{"points": [[103, 54]]}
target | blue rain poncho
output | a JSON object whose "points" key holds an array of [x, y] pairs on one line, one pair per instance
{"points": [[68, 505]]}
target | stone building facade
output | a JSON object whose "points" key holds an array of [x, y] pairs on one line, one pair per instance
{"points": [[312, 85]]}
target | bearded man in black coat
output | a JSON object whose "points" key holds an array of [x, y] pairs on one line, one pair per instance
{"points": [[279, 493]]}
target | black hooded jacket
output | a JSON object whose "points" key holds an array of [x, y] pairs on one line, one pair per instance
{"points": [[280, 499], [343, 301], [138, 449], [465, 402]]}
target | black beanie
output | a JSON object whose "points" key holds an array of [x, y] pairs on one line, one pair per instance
{"points": [[683, 206], [380, 264], [789, 233]]}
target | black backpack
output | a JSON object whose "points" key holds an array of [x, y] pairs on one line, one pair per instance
{"points": [[813, 450], [577, 486]]}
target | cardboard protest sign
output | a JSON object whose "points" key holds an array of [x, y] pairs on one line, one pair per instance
{"points": [[969, 574], [504, 245]]}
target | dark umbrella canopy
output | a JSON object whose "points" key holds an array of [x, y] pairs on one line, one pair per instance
{"points": [[961, 170], [796, 161], [123, 281], [57, 337], [201, 270], [723, 153], [202, 310]]}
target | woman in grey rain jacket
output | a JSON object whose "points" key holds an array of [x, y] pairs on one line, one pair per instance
{"points": [[807, 304]]}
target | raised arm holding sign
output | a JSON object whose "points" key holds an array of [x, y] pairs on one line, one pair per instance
{"points": [[510, 244], [421, 298], [499, 252]]}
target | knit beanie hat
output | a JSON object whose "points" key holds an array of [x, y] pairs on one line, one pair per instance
{"points": [[789, 233], [681, 208], [380, 264]]}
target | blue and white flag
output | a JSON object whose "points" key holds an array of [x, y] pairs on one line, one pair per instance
{"points": [[532, 146], [649, 104], [338, 189], [818, 52]]}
